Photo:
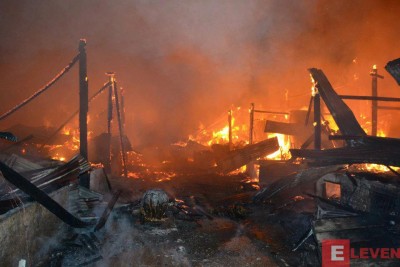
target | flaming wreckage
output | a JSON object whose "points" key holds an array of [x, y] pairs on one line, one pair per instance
{"points": [[199, 206]]}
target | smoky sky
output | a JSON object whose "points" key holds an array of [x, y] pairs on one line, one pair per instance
{"points": [[183, 63]]}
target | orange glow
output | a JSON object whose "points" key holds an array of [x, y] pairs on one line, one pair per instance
{"points": [[314, 89], [284, 146], [58, 157], [220, 135], [69, 147]]}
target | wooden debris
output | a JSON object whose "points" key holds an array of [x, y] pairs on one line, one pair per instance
{"points": [[287, 128], [341, 113], [41, 197], [240, 157], [349, 155], [287, 186], [107, 211], [393, 67]]}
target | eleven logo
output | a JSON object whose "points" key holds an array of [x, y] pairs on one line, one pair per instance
{"points": [[337, 253]]}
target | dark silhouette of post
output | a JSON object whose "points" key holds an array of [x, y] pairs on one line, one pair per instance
{"points": [[120, 129], [110, 101], [317, 121], [107, 165], [122, 92], [374, 105], [230, 127], [251, 123], [84, 179], [250, 170]]}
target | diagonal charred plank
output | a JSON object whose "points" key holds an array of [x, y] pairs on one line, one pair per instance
{"points": [[393, 67], [107, 211], [240, 157], [41, 197], [341, 113]]}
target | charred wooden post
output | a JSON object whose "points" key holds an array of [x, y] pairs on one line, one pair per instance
{"points": [[250, 170], [230, 127], [251, 123], [121, 134], [122, 91], [374, 106], [111, 76], [84, 179], [110, 101], [317, 121]]}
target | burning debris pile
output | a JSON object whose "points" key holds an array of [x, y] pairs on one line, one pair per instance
{"points": [[257, 184]]}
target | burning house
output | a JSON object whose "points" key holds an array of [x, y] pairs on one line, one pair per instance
{"points": [[204, 146]]}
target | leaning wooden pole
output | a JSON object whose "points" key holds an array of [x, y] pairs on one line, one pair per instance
{"points": [[122, 92], [374, 106], [84, 179], [120, 128], [107, 165]]}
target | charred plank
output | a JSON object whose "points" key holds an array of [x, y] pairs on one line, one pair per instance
{"points": [[41, 197], [240, 157], [341, 113]]}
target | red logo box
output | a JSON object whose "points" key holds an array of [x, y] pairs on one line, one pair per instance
{"points": [[336, 253]]}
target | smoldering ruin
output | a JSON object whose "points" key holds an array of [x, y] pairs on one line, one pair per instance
{"points": [[199, 133]]}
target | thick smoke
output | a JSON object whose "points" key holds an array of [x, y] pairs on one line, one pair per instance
{"points": [[182, 63]]}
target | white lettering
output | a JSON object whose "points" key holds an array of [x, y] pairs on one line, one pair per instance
{"points": [[337, 251]]}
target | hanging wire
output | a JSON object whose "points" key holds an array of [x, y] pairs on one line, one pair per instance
{"points": [[105, 86], [41, 90]]}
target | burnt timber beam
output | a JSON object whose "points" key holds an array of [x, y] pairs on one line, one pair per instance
{"points": [[84, 179], [120, 129], [41, 197], [353, 155], [393, 67], [371, 98], [285, 127], [240, 157], [341, 113], [107, 211], [388, 108]]}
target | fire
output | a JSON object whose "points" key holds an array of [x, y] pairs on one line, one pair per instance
{"points": [[381, 133], [73, 144], [69, 147], [284, 145], [58, 157], [220, 135], [375, 168], [157, 176], [314, 89]]}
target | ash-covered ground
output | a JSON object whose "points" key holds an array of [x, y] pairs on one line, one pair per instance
{"points": [[215, 224]]}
